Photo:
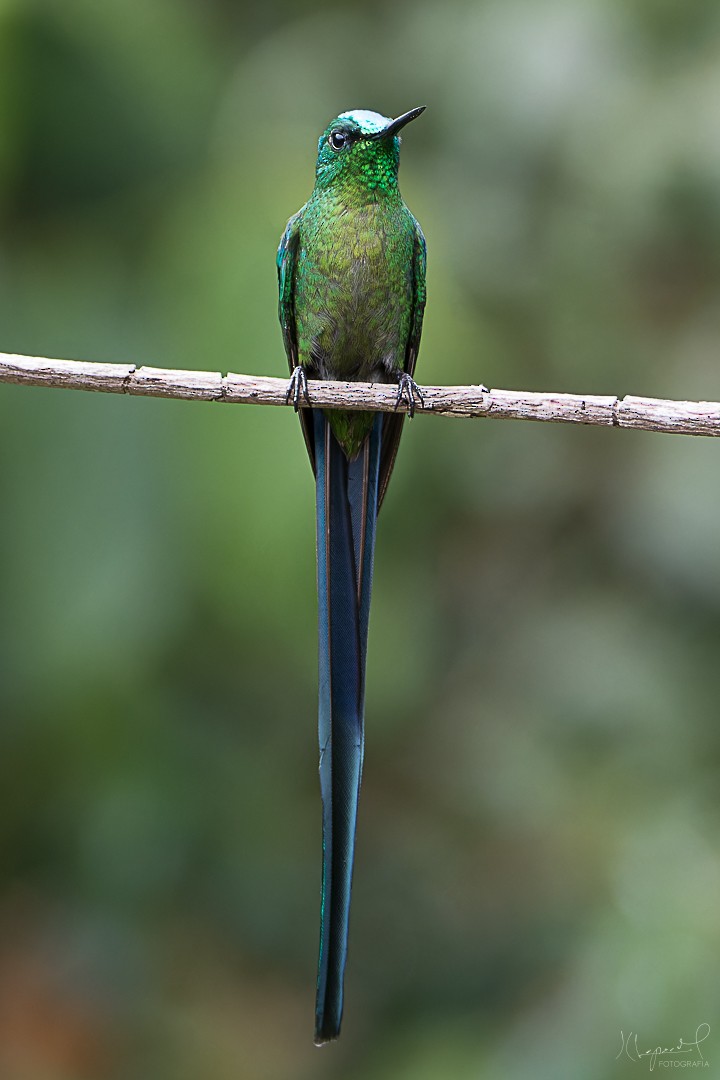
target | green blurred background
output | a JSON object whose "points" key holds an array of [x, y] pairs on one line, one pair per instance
{"points": [[537, 862]]}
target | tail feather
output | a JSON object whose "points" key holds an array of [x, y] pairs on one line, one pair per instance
{"points": [[347, 500]]}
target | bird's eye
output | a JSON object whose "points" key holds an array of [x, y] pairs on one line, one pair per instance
{"points": [[338, 139]]}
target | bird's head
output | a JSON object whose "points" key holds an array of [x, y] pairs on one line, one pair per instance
{"points": [[362, 147]]}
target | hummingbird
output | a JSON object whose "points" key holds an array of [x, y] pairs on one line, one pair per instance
{"points": [[351, 277]]}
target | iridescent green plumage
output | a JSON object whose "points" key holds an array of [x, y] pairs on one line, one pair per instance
{"points": [[351, 270]]}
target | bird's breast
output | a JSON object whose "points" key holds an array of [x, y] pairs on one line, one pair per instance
{"points": [[353, 291]]}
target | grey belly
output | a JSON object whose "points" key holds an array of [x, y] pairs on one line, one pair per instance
{"points": [[359, 335]]}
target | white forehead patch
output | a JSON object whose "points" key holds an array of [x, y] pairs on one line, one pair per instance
{"points": [[369, 122]]}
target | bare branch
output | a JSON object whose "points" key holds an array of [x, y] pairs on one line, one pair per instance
{"points": [[650, 414]]}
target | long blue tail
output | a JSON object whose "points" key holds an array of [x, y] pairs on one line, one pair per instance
{"points": [[347, 502]]}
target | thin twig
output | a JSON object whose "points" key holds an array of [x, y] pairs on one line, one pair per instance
{"points": [[650, 414]]}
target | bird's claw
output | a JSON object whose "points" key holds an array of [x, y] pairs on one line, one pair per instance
{"points": [[409, 392], [297, 387]]}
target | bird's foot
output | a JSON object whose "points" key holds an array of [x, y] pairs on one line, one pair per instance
{"points": [[409, 392], [297, 387]]}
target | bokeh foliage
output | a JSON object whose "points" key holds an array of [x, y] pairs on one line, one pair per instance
{"points": [[537, 864]]}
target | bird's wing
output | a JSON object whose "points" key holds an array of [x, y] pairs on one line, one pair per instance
{"points": [[419, 297], [393, 422], [286, 261], [286, 256]]}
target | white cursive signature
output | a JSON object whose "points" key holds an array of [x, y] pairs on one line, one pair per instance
{"points": [[629, 1047]]}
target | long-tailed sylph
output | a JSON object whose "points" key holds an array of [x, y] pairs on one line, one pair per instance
{"points": [[351, 273]]}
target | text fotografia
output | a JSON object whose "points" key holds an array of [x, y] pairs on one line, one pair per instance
{"points": [[686, 1055]]}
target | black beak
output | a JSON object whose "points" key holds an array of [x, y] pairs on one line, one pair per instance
{"points": [[394, 126]]}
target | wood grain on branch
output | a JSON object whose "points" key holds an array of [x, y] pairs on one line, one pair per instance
{"points": [[649, 414]]}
